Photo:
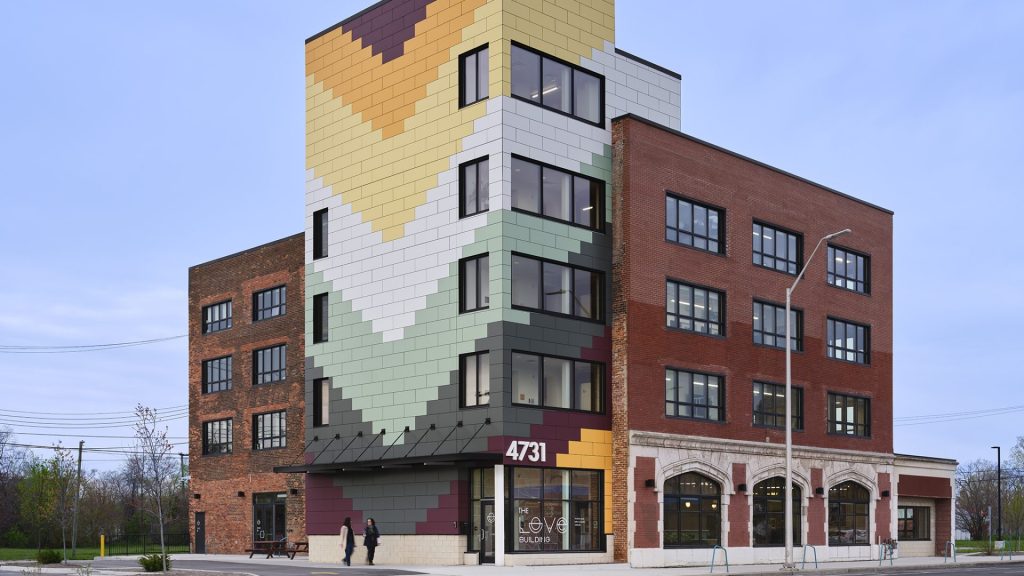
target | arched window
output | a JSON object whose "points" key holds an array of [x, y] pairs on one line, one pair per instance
{"points": [[693, 511], [770, 513], [848, 514]]}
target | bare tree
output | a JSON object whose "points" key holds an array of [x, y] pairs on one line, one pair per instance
{"points": [[62, 467], [155, 466], [976, 492], [12, 467]]}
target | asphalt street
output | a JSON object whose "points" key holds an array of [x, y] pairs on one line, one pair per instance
{"points": [[284, 568]]}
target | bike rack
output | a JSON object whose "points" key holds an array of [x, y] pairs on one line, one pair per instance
{"points": [[883, 550], [813, 549], [724, 551], [945, 550], [1007, 550]]}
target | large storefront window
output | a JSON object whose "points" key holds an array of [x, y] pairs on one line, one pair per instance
{"points": [[770, 513], [693, 511], [848, 514], [555, 510]]}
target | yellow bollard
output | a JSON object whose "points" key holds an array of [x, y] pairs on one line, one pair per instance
{"points": [[102, 543]]}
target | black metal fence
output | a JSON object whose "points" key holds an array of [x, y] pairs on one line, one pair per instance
{"points": [[138, 544]]}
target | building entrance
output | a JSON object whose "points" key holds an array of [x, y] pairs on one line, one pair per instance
{"points": [[268, 517]]}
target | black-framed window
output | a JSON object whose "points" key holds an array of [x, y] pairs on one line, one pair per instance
{"points": [[321, 402], [694, 395], [848, 505], [555, 510], [473, 73], [770, 326], [474, 283], [269, 430], [848, 341], [694, 224], [557, 288], [849, 415], [913, 523], [217, 374], [770, 512], [320, 234], [694, 309], [474, 187], [217, 437], [558, 194], [692, 511], [770, 406], [475, 373], [554, 382], [777, 249], [321, 313], [848, 269], [269, 364], [217, 317], [481, 490], [557, 85], [269, 303]]}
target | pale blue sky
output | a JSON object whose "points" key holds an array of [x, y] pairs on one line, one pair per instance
{"points": [[137, 139]]}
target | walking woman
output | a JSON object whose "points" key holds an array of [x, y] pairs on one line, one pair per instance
{"points": [[371, 537], [348, 540]]}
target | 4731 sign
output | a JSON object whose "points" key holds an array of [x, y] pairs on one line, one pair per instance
{"points": [[525, 451]]}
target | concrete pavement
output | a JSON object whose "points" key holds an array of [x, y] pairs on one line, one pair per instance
{"points": [[122, 566]]}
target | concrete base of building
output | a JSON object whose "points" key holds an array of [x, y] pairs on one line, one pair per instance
{"points": [[430, 550]]}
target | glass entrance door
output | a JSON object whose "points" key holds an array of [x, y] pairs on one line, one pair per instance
{"points": [[487, 532], [268, 517]]}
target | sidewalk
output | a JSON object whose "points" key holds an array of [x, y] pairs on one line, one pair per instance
{"points": [[300, 562]]}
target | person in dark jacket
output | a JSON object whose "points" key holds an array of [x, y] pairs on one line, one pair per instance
{"points": [[371, 537], [348, 540]]}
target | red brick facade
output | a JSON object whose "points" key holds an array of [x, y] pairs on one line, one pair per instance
{"points": [[223, 485]]}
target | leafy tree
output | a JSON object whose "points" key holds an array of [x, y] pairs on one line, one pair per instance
{"points": [[63, 475], [38, 500], [12, 464]]}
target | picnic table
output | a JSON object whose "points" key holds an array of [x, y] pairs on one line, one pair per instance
{"points": [[277, 548]]}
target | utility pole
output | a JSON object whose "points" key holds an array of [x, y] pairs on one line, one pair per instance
{"points": [[999, 494], [78, 493]]}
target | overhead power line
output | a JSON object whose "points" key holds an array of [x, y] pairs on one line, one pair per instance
{"points": [[74, 414], [19, 349], [955, 416]]}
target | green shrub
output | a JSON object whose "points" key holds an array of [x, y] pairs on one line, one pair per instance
{"points": [[49, 557], [154, 562], [14, 538]]}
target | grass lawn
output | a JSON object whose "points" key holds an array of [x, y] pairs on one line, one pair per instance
{"points": [[84, 553]]}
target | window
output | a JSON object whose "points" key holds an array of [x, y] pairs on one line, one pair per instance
{"points": [[557, 382], [770, 326], [557, 85], [694, 309], [217, 437], [320, 316], [269, 364], [848, 514], [692, 224], [475, 371], [557, 288], [320, 234], [217, 375], [268, 430], [322, 402], [777, 249], [693, 512], [913, 523], [217, 317], [557, 194], [848, 269], [473, 85], [770, 513], [694, 395], [475, 292], [555, 510], [849, 415], [474, 189], [481, 521], [770, 406], [848, 341], [269, 303]]}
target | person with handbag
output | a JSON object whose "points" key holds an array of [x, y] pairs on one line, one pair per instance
{"points": [[371, 539], [348, 540]]}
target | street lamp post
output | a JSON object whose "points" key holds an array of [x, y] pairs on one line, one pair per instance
{"points": [[789, 401], [999, 494]]}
